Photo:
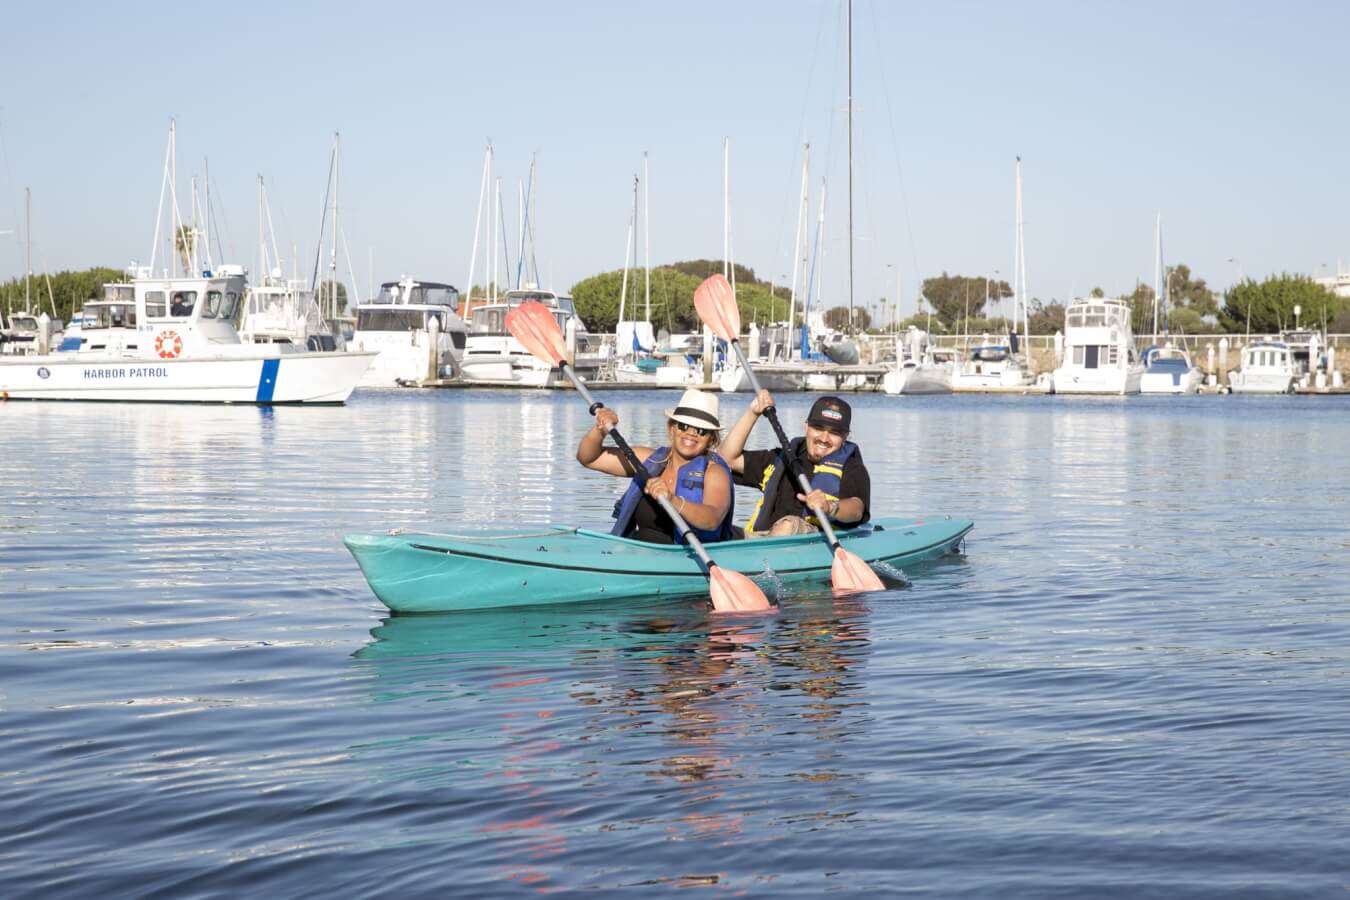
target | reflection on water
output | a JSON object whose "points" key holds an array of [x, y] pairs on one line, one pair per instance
{"points": [[1143, 647]]}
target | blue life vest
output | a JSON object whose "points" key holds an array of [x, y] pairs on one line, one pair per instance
{"points": [[827, 476], [688, 484]]}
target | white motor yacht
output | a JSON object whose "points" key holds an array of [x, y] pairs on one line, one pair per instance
{"points": [[1099, 352], [1267, 368], [493, 356], [415, 329], [1169, 370], [172, 339]]}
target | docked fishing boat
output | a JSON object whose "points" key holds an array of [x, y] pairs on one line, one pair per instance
{"points": [[1099, 352], [415, 329], [419, 572], [173, 339], [1169, 370], [493, 356], [1268, 367]]}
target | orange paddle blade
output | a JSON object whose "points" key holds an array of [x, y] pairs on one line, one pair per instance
{"points": [[734, 592], [849, 573], [716, 304], [532, 324]]}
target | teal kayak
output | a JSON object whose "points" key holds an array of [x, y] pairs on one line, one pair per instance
{"points": [[423, 572]]}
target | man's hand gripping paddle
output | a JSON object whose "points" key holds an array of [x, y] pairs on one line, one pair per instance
{"points": [[716, 304]]}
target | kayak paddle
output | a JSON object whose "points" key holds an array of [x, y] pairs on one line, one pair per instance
{"points": [[716, 304], [532, 323]]}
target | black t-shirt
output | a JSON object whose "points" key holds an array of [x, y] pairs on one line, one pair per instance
{"points": [[854, 483]]}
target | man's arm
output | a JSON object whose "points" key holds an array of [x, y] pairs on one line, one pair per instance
{"points": [[733, 446]]}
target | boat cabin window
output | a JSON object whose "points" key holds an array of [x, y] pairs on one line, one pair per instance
{"points": [[154, 304], [231, 303], [212, 305], [117, 315], [489, 320], [119, 293], [182, 303], [434, 296], [391, 320]]}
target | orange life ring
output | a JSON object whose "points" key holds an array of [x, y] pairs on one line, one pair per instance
{"points": [[168, 344]]}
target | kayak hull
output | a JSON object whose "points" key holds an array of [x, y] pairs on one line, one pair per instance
{"points": [[424, 572]]}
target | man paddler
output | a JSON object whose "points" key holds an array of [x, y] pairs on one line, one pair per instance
{"points": [[833, 464]]}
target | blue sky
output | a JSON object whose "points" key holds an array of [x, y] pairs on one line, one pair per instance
{"points": [[1228, 118]]}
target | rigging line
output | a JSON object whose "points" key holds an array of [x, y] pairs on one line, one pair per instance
{"points": [[215, 232], [792, 196], [899, 170], [323, 221]]}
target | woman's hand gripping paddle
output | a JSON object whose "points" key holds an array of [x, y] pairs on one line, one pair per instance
{"points": [[532, 324], [716, 304]]}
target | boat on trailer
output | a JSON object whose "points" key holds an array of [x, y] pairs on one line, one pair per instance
{"points": [[414, 571]]}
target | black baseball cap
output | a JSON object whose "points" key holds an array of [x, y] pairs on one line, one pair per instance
{"points": [[831, 413]]}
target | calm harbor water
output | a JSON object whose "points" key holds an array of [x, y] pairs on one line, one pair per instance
{"points": [[1133, 683]]}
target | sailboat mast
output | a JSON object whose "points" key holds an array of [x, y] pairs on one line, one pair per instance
{"points": [[332, 255], [726, 207], [28, 259], [647, 233], [627, 250], [1157, 272], [1022, 266], [850, 166], [477, 228], [798, 252]]}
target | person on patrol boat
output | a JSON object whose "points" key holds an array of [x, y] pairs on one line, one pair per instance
{"points": [[840, 485], [687, 471]]}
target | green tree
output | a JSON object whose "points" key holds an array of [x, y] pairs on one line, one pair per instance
{"points": [[324, 294], [1268, 307], [837, 318], [68, 290], [1046, 318], [1184, 290], [597, 299], [955, 297]]}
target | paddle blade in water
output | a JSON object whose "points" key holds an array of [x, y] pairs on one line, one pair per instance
{"points": [[532, 324], [716, 304], [849, 573], [734, 592]]}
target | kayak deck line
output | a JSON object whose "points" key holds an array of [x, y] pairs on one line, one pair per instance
{"points": [[546, 564]]}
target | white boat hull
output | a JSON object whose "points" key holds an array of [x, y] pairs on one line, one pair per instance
{"points": [[262, 378], [1111, 382], [1262, 383], [923, 379], [1168, 383], [520, 369]]}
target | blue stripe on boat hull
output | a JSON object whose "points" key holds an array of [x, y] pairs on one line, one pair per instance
{"points": [[267, 380]]}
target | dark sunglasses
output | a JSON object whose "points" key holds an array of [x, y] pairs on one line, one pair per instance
{"points": [[693, 429]]}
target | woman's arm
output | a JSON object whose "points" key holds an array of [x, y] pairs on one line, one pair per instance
{"points": [[593, 455], [734, 445]]}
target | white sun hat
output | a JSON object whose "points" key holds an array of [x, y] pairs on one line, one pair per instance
{"points": [[697, 408]]}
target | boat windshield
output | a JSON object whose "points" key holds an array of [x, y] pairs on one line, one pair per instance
{"points": [[1168, 364], [119, 293], [113, 315], [393, 319], [419, 294], [545, 297]]}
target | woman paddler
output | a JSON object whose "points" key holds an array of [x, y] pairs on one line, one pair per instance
{"points": [[687, 471]]}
